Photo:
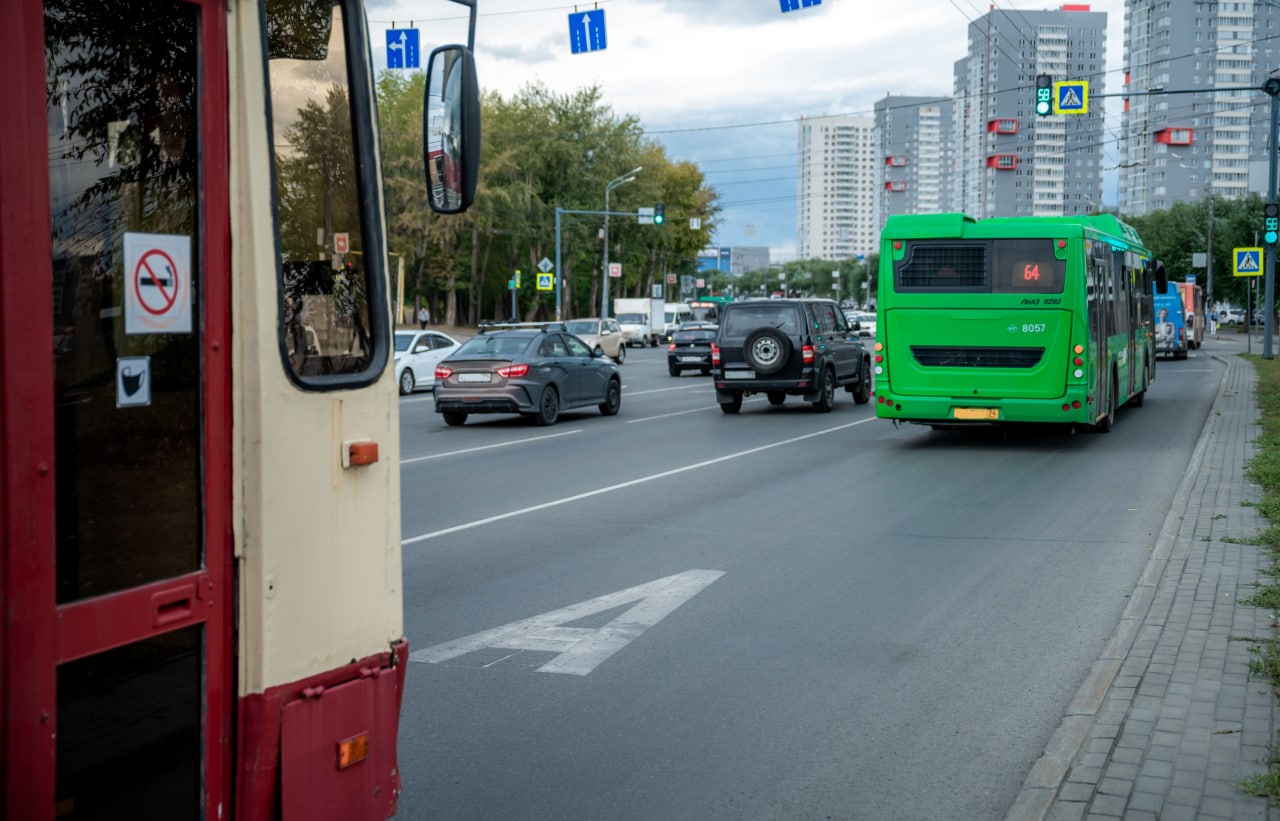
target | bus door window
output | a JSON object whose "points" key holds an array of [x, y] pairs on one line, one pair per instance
{"points": [[330, 259], [126, 187]]}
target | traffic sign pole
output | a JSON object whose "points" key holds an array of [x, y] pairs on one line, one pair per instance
{"points": [[1272, 88]]}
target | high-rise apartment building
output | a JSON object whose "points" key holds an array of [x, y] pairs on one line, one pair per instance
{"points": [[835, 217], [1195, 122], [1007, 161], [913, 156]]}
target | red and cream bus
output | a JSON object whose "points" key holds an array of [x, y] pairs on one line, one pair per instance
{"points": [[200, 559]]}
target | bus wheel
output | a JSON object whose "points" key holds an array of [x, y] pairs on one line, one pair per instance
{"points": [[1141, 395], [1107, 422]]}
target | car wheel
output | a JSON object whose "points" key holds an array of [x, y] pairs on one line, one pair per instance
{"points": [[612, 399], [406, 382], [622, 354], [776, 397], [673, 370], [862, 393], [706, 371], [826, 392], [548, 406], [733, 405], [766, 350], [454, 418]]}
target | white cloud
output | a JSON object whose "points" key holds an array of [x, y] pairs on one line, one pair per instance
{"points": [[685, 64]]}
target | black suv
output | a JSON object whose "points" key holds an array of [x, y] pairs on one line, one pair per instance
{"points": [[781, 347]]}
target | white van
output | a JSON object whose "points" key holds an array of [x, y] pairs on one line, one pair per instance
{"points": [[674, 314]]}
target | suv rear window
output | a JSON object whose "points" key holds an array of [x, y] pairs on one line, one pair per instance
{"points": [[742, 319]]}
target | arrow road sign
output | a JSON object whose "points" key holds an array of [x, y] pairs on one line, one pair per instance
{"points": [[402, 48], [793, 5], [586, 31]]}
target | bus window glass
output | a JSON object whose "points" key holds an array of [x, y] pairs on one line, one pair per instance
{"points": [[127, 282], [944, 267], [325, 277]]}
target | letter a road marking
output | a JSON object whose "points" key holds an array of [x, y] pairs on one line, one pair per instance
{"points": [[580, 649]]}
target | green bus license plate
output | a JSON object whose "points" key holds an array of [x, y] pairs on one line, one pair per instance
{"points": [[976, 413]]}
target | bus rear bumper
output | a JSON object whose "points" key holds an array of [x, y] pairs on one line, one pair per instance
{"points": [[325, 746], [1071, 408]]}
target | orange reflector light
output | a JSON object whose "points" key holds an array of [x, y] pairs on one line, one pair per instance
{"points": [[353, 750], [363, 453], [879, 346], [1078, 349]]}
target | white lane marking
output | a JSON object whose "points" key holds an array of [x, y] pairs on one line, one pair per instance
{"points": [[489, 447], [673, 413], [580, 649], [665, 390], [651, 478]]}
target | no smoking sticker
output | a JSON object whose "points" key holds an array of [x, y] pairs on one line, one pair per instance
{"points": [[157, 284]]}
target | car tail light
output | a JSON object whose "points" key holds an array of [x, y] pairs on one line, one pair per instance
{"points": [[671, 347], [443, 372], [715, 354], [514, 371], [807, 353]]}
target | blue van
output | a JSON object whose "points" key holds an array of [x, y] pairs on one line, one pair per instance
{"points": [[1171, 325]]}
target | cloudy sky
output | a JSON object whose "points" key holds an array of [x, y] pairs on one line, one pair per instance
{"points": [[723, 83]]}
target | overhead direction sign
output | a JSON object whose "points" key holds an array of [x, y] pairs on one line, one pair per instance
{"points": [[1247, 262], [402, 48], [1071, 97], [795, 5], [586, 31]]}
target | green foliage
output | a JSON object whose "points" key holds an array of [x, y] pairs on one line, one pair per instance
{"points": [[1175, 234], [540, 150]]}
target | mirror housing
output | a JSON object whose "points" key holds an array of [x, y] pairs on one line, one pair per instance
{"points": [[451, 129]]}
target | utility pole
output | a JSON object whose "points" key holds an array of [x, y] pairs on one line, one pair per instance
{"points": [[1272, 88], [1208, 290]]}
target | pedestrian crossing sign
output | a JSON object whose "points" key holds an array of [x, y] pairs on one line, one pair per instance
{"points": [[1248, 262], [1071, 97], [546, 282]]}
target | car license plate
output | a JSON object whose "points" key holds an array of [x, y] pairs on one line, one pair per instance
{"points": [[739, 374], [473, 377], [976, 413], [690, 359]]}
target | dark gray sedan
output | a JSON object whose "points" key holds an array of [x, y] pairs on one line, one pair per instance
{"points": [[537, 370]]}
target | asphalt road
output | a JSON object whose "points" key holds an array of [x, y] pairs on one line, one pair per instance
{"points": [[779, 614]]}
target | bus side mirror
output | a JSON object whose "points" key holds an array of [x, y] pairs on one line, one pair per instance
{"points": [[1161, 277], [451, 129]]}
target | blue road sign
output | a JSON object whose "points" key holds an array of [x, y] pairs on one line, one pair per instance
{"points": [[586, 31], [402, 48], [1248, 262], [795, 5], [1071, 97], [546, 282]]}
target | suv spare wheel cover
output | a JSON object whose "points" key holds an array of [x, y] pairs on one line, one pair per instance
{"points": [[766, 350]]}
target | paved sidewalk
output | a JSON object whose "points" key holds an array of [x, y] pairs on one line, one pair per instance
{"points": [[1170, 720]]}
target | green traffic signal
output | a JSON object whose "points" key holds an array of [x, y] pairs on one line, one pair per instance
{"points": [[1044, 95], [1270, 222], [658, 216]]}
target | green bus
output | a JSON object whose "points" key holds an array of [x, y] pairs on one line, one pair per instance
{"points": [[1013, 319]]}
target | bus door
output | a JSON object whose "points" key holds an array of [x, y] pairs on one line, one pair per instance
{"points": [[1099, 284], [118, 678]]}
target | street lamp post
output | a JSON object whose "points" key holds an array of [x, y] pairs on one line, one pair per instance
{"points": [[614, 183]]}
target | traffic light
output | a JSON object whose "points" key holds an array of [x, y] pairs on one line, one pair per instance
{"points": [[1270, 222], [658, 216], [1044, 95]]}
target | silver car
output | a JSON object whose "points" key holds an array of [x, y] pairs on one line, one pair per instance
{"points": [[530, 369]]}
